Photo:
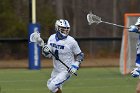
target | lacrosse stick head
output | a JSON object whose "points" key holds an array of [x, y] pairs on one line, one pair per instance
{"points": [[34, 37], [91, 18]]}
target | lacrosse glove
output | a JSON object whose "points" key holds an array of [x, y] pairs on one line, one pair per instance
{"points": [[133, 28], [74, 67], [135, 72], [45, 50]]}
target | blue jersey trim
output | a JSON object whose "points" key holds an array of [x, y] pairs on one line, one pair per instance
{"points": [[138, 59]]}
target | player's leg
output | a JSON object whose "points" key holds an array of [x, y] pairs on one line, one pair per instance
{"points": [[138, 87], [59, 90], [55, 84]]}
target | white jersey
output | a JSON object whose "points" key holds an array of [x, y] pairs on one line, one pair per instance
{"points": [[65, 50]]}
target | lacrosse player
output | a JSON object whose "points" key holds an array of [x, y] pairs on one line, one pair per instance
{"points": [[65, 48], [136, 71]]}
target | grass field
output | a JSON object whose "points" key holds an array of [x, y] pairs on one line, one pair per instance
{"points": [[89, 80]]}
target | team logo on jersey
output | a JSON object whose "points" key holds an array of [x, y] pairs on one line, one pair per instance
{"points": [[57, 46]]}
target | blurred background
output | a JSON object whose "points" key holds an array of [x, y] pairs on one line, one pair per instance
{"points": [[101, 43]]}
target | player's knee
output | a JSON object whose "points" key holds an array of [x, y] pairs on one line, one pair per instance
{"points": [[51, 86]]}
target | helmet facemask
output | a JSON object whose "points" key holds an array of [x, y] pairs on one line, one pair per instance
{"points": [[64, 30]]}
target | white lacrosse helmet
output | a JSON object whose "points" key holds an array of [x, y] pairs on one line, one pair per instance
{"points": [[138, 22], [62, 27]]}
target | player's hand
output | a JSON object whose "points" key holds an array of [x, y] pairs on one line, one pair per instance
{"points": [[135, 72], [133, 28], [74, 67], [46, 51], [46, 48]]}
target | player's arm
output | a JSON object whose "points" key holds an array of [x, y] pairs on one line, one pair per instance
{"points": [[79, 59], [134, 28], [79, 56], [75, 66]]}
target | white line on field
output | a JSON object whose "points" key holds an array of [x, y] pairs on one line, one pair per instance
{"points": [[68, 87], [31, 89], [37, 80], [22, 80]]}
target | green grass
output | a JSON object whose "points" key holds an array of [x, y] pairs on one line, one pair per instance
{"points": [[89, 80]]}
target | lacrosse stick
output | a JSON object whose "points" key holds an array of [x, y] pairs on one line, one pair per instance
{"points": [[91, 18], [35, 37]]}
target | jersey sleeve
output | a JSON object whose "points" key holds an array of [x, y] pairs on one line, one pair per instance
{"points": [[138, 60], [75, 48]]}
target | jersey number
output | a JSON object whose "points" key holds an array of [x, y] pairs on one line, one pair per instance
{"points": [[56, 53]]}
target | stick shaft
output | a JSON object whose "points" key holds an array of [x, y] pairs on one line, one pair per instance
{"points": [[61, 61], [114, 24]]}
